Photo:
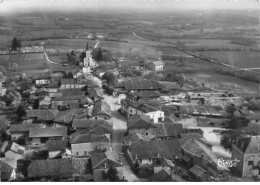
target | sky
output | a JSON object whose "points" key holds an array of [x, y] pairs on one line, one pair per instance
{"points": [[14, 5]]}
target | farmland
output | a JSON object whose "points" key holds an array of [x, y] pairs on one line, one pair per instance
{"points": [[243, 59], [25, 61]]}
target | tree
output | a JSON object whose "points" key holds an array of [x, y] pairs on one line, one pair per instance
{"points": [[21, 111], [110, 78], [99, 55], [87, 46], [111, 175], [14, 43], [82, 56]]}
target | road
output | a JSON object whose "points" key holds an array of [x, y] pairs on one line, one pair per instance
{"points": [[47, 58], [96, 45]]}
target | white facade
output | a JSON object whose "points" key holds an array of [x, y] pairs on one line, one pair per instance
{"points": [[42, 81], [88, 60]]}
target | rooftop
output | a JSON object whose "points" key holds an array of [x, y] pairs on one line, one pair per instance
{"points": [[48, 132]]}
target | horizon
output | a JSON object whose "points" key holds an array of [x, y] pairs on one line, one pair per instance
{"points": [[14, 6]]}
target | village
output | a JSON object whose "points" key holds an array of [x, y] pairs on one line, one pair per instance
{"points": [[94, 123]]}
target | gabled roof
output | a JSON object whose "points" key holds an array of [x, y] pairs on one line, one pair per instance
{"points": [[95, 93], [22, 127], [86, 100], [140, 84], [6, 171], [197, 171], [249, 144], [66, 116], [71, 97], [40, 114], [86, 123], [254, 117], [50, 168], [48, 132], [139, 122], [101, 108], [57, 145], [71, 92], [99, 159], [71, 81], [158, 63], [168, 130], [150, 149], [134, 137], [148, 94], [186, 136], [89, 138]]}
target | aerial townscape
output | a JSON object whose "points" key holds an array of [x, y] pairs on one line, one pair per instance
{"points": [[129, 92]]}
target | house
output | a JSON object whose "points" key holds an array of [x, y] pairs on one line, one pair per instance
{"points": [[137, 85], [156, 66], [101, 110], [71, 83], [150, 152], [44, 102], [42, 135], [40, 115], [254, 122], [134, 108], [102, 161], [83, 144], [199, 173], [53, 169], [20, 132], [6, 171], [246, 149], [95, 93], [83, 124], [139, 124], [14, 151], [197, 152], [166, 176], [80, 169], [135, 137], [86, 102], [56, 148], [65, 117], [43, 79]]}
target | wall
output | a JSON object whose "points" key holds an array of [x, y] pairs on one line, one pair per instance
{"points": [[238, 154]]}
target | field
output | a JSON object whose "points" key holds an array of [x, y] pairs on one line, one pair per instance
{"points": [[243, 59], [25, 61]]}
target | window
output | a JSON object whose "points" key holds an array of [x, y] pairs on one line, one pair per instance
{"points": [[150, 160], [146, 133], [250, 163], [77, 153], [85, 153], [153, 133]]}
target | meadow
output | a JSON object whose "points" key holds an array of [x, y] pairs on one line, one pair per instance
{"points": [[243, 59]]}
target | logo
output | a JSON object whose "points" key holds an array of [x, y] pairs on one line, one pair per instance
{"points": [[227, 163]]}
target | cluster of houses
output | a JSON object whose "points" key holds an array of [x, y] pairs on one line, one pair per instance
{"points": [[66, 132]]}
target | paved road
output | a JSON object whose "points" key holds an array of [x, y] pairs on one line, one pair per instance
{"points": [[47, 58], [96, 45]]}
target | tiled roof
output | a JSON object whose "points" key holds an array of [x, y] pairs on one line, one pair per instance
{"points": [[158, 63], [137, 121], [86, 100], [198, 171], [140, 84], [5, 170], [66, 116], [48, 132], [101, 108], [150, 149], [99, 159], [95, 92], [22, 127], [249, 144], [144, 107], [89, 138], [161, 176], [86, 123], [134, 137], [50, 168], [168, 130], [40, 114], [79, 165], [148, 94], [187, 136], [71, 97], [254, 117], [56, 145], [71, 81]]}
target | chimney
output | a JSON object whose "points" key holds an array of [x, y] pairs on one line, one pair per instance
{"points": [[105, 165], [158, 155]]}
